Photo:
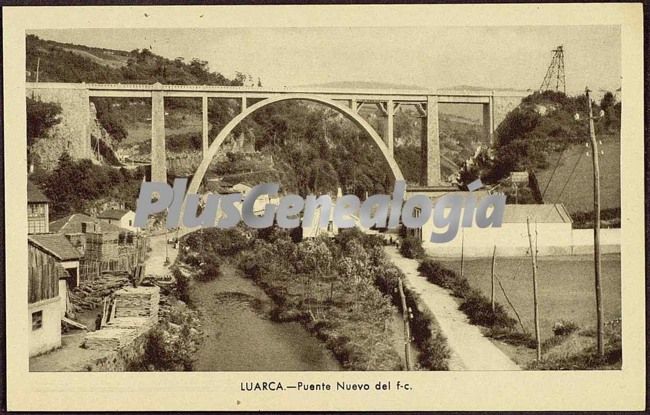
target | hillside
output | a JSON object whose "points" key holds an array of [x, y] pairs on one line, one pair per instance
{"points": [[65, 62], [542, 136], [572, 183]]}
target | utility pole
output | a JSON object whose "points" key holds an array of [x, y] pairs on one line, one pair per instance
{"points": [[533, 255], [599, 293], [462, 251]]}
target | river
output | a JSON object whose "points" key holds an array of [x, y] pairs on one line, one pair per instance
{"points": [[239, 336]]}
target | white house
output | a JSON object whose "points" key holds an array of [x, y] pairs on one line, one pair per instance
{"points": [[123, 218]]}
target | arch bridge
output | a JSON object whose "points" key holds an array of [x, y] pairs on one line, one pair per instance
{"points": [[75, 102]]}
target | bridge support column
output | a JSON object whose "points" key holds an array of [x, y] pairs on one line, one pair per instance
{"points": [[158, 153], [430, 145], [205, 141], [488, 120], [388, 134]]}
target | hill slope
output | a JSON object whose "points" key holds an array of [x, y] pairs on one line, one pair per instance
{"points": [[572, 183]]}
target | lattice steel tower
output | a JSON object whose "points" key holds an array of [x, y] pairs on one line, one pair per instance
{"points": [[555, 73]]}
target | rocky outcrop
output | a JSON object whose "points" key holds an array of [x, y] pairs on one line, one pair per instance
{"points": [[79, 133]]}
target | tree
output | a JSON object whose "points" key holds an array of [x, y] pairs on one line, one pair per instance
{"points": [[40, 117], [612, 118]]}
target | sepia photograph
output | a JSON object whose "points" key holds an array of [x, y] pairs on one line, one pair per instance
{"points": [[324, 198]]}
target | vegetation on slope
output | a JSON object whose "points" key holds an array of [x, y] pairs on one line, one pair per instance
{"points": [[542, 137], [77, 186]]}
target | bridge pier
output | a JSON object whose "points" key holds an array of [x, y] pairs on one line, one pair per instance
{"points": [[158, 152], [204, 130], [488, 120], [388, 134], [430, 144]]}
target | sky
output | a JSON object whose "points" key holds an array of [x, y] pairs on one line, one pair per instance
{"points": [[514, 57]]}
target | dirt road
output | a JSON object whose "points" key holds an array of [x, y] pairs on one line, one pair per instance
{"points": [[470, 349]]}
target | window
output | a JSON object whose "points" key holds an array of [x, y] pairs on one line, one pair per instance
{"points": [[36, 225], [130, 222], [37, 320], [35, 209]]}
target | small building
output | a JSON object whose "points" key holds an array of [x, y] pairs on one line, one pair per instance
{"points": [[123, 218], [60, 251], [37, 210], [45, 306]]}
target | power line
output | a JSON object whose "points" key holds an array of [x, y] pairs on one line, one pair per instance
{"points": [[570, 175], [553, 173]]}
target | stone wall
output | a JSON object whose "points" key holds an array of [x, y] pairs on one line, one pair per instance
{"points": [[503, 104], [119, 360], [73, 132]]}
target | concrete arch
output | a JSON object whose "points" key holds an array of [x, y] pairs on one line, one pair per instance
{"points": [[351, 115]]}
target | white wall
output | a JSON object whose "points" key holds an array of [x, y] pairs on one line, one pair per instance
{"points": [[47, 337], [512, 240], [63, 294], [583, 241]]}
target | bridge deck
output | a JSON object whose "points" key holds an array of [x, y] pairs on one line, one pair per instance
{"points": [[197, 91]]}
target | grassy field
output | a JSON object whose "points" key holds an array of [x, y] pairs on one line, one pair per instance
{"points": [[577, 196], [565, 288]]}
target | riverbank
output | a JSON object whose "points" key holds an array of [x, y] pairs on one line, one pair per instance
{"points": [[330, 287], [240, 336]]}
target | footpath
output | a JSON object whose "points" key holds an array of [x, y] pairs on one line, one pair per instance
{"points": [[470, 350]]}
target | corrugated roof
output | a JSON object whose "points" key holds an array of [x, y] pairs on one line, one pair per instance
{"points": [[34, 194], [547, 213], [113, 213], [72, 224], [55, 244]]}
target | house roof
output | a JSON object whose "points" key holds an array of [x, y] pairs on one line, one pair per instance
{"points": [[34, 194], [56, 245], [72, 224], [547, 213], [113, 213]]}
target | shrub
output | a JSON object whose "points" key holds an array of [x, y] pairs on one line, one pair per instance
{"points": [[252, 265], [209, 271], [182, 286], [475, 305], [411, 247], [512, 336], [564, 327], [40, 117], [161, 353], [434, 352], [479, 311], [446, 278]]}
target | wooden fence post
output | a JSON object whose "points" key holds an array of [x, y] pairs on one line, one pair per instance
{"points": [[407, 331], [494, 252]]}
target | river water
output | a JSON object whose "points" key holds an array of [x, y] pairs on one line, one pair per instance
{"points": [[239, 336]]}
